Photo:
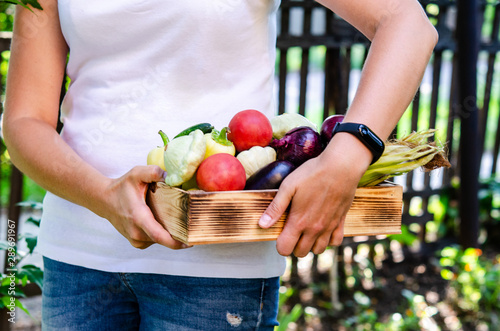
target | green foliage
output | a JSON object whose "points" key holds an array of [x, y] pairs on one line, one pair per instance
{"points": [[364, 317], [18, 275], [286, 317], [406, 237], [6, 16], [489, 200], [32, 191], [414, 314], [475, 280], [25, 3], [5, 171], [489, 211]]}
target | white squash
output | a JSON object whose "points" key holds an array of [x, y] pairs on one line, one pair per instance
{"points": [[256, 158]]}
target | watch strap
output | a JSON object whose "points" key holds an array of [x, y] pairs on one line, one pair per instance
{"points": [[365, 135]]}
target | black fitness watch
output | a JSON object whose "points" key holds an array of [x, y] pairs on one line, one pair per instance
{"points": [[365, 135]]}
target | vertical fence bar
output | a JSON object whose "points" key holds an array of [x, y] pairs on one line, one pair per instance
{"points": [[452, 116], [415, 106], [14, 212], [329, 69], [484, 110], [282, 80], [346, 77], [304, 66], [283, 68], [327, 93], [496, 149], [492, 56], [467, 51], [304, 72]]}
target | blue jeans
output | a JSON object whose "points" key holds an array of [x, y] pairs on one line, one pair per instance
{"points": [[77, 298]]}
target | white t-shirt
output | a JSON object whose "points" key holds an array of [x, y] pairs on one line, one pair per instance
{"points": [[140, 66]]}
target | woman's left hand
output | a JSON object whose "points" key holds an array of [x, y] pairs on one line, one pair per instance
{"points": [[319, 192]]}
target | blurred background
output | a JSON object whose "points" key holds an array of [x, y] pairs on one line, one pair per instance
{"points": [[443, 271]]}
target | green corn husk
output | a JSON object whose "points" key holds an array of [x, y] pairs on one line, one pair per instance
{"points": [[404, 155]]}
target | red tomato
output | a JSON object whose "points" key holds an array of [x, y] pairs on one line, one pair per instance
{"points": [[249, 128], [221, 172]]}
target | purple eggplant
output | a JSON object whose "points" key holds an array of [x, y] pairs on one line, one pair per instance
{"points": [[298, 145], [270, 176]]}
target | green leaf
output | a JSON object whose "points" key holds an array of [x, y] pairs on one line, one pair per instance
{"points": [[31, 241], [31, 204], [293, 316], [20, 305], [24, 280], [5, 301], [35, 221], [6, 291], [406, 237], [447, 274], [220, 137], [6, 280], [34, 274], [285, 294], [25, 3]]}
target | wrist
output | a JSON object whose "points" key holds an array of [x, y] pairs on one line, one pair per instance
{"points": [[365, 135], [347, 152], [99, 194]]}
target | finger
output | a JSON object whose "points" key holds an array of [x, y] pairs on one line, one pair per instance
{"points": [[277, 207], [338, 234], [287, 240], [148, 174], [303, 247], [316, 237], [321, 243], [310, 242], [134, 234], [291, 235], [156, 174], [140, 244]]}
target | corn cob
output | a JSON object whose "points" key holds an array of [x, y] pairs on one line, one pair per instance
{"points": [[404, 155]]}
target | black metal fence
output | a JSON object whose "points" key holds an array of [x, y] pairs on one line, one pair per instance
{"points": [[305, 26], [318, 58]]}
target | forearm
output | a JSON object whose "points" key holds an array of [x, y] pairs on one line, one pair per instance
{"points": [[31, 110], [37, 149], [402, 43], [39, 152], [400, 51]]}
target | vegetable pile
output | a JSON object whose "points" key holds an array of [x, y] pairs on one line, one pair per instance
{"points": [[255, 153]]}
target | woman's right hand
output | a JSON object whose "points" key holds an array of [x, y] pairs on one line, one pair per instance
{"points": [[127, 211]]}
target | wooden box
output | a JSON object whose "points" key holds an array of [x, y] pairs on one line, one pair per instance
{"points": [[199, 217]]}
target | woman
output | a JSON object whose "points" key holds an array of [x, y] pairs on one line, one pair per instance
{"points": [[140, 66]]}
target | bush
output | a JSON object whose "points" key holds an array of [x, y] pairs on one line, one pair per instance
{"points": [[474, 285]]}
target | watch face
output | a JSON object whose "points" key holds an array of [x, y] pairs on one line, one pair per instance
{"points": [[365, 131]]}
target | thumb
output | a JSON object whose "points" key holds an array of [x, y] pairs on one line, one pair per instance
{"points": [[152, 173], [276, 208]]}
